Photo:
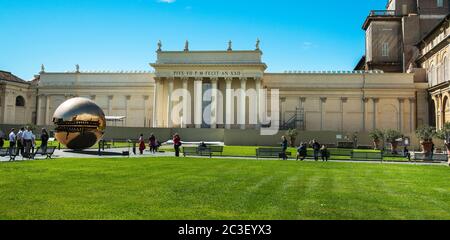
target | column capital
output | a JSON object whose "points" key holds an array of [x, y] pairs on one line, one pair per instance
{"points": [[170, 79], [365, 99], [344, 99], [375, 100], [184, 79], [229, 80], [258, 79], [93, 97], [128, 97], [110, 97], [243, 79], [198, 79], [146, 97], [412, 99], [302, 99], [214, 79], [323, 99], [401, 100]]}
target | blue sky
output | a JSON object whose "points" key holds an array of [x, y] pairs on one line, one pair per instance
{"points": [[122, 34]]}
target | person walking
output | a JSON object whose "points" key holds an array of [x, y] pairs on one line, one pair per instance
{"points": [[153, 143], [324, 153], [12, 140], [44, 140], [284, 146], [302, 151], [316, 148], [2, 139], [19, 142], [141, 144], [177, 144], [27, 137]]}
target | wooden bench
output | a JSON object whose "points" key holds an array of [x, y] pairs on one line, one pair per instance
{"points": [[196, 151], [9, 152], [270, 152], [367, 156], [216, 149], [441, 157], [48, 154]]}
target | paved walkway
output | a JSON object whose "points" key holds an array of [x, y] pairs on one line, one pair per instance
{"points": [[117, 153]]}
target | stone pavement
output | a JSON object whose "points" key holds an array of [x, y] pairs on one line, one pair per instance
{"points": [[117, 153]]}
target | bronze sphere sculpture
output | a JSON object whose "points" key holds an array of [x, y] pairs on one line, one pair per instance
{"points": [[79, 123]]}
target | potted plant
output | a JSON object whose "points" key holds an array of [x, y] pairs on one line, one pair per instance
{"points": [[391, 136], [377, 136], [425, 135], [292, 134], [444, 134]]}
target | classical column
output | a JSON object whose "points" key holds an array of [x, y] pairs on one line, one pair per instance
{"points": [[363, 110], [436, 110], [412, 114], [145, 110], [110, 99], [38, 111], [229, 101], [242, 103], [214, 102], [323, 100], [198, 102], [400, 114], [374, 116], [127, 101], [186, 119], [156, 89], [47, 110], [5, 107], [343, 100], [258, 101], [169, 102]]}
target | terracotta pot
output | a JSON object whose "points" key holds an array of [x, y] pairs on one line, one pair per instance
{"points": [[376, 144], [426, 147], [447, 145], [394, 146]]}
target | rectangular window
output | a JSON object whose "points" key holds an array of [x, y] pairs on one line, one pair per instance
{"points": [[440, 3], [385, 50]]}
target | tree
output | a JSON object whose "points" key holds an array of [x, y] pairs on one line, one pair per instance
{"points": [[391, 136], [425, 134], [377, 136], [292, 134]]}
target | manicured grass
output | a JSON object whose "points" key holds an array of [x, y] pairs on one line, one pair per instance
{"points": [[169, 188]]}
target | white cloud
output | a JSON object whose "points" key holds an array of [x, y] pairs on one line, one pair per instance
{"points": [[166, 1]]}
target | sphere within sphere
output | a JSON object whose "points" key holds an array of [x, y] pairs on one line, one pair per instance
{"points": [[79, 123]]}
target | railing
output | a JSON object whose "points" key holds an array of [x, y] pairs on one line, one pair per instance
{"points": [[382, 13]]}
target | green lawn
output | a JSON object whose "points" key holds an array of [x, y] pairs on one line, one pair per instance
{"points": [[169, 188]]}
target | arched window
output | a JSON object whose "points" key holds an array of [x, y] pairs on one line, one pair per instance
{"points": [[20, 101], [440, 3]]}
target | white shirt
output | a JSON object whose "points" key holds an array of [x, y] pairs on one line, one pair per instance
{"points": [[27, 135], [12, 137], [19, 135]]}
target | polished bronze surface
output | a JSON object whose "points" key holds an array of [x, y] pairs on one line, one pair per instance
{"points": [[79, 122]]}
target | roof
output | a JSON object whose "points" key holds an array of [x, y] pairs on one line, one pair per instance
{"points": [[433, 30], [9, 77]]}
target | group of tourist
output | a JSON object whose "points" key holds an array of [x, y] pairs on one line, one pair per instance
{"points": [[153, 144], [302, 150], [24, 141]]}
